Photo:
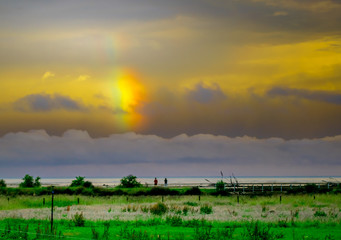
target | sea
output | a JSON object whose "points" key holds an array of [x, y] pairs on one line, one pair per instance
{"points": [[187, 181]]}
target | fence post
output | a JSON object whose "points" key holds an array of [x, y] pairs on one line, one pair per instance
{"points": [[52, 209], [78, 201]]}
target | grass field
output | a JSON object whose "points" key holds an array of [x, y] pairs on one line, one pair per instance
{"points": [[177, 217]]}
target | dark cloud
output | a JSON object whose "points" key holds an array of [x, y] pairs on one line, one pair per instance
{"points": [[47, 102], [206, 94], [324, 96], [36, 149]]}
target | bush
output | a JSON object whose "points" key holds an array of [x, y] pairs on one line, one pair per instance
{"points": [[193, 191], [78, 182], [130, 182], [320, 213], [87, 184], [158, 209], [206, 209], [174, 220], [259, 231], [220, 186], [2, 183], [78, 220], [29, 183], [311, 188]]}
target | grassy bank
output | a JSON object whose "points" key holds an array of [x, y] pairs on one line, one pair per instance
{"points": [[169, 228]]}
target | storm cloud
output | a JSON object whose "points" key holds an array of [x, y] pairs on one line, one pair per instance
{"points": [[75, 149], [324, 96], [46, 102]]}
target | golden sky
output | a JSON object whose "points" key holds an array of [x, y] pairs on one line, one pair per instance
{"points": [[261, 68]]}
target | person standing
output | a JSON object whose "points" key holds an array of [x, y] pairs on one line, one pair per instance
{"points": [[166, 182], [155, 182]]}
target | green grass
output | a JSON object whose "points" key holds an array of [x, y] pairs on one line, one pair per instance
{"points": [[157, 228]]}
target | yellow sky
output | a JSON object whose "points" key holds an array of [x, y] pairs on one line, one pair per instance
{"points": [[212, 67]]}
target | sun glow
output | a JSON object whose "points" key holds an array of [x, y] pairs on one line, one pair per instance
{"points": [[128, 95]]}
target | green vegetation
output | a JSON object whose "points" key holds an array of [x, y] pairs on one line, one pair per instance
{"points": [[158, 209], [130, 182], [220, 186], [206, 209], [79, 182], [165, 228], [87, 212], [29, 183], [2, 183]]}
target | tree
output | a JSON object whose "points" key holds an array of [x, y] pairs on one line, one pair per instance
{"points": [[78, 182], [29, 183], [37, 182], [130, 182], [2, 183]]}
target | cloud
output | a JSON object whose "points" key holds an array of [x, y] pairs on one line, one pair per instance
{"points": [[46, 102], [324, 96], [47, 75], [206, 94], [208, 153]]}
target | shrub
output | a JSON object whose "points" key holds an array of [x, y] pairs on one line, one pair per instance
{"points": [[259, 231], [2, 183], [206, 209], [78, 220], [130, 182], [193, 191], [220, 186], [87, 184], [320, 213], [78, 182], [311, 188], [29, 183], [174, 220], [158, 209]]}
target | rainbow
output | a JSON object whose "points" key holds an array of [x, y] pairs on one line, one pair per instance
{"points": [[128, 94]]}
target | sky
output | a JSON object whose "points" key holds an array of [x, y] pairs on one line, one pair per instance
{"points": [[170, 88]]}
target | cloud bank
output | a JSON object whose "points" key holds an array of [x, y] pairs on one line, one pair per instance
{"points": [[46, 102], [77, 153]]}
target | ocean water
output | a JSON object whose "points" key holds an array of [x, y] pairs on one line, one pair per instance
{"points": [[184, 181]]}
